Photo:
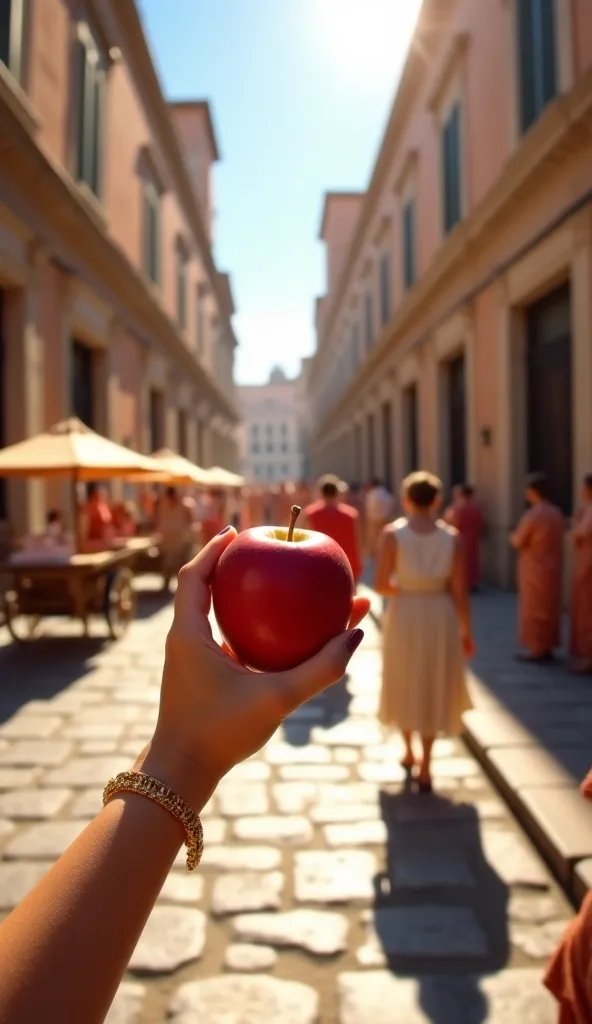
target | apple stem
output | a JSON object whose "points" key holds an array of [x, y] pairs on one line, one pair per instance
{"points": [[295, 512]]}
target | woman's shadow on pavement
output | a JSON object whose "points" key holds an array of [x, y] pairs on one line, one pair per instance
{"points": [[440, 912]]}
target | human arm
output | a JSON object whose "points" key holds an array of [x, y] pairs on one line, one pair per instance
{"points": [[460, 596], [521, 535], [68, 943], [386, 564]]}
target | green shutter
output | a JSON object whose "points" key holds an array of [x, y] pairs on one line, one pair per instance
{"points": [[451, 179], [526, 63]]}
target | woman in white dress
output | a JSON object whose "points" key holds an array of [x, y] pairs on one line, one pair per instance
{"points": [[427, 626]]}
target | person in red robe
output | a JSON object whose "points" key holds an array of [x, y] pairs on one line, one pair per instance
{"points": [[466, 516], [97, 528], [337, 520], [580, 644], [538, 540], [569, 973]]}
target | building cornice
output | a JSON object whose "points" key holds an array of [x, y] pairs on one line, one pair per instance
{"points": [[564, 127]]}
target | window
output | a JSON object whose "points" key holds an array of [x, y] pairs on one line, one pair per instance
{"points": [[269, 429], [269, 447], [385, 289], [284, 447], [368, 319], [370, 440], [270, 473], [451, 176], [90, 92], [82, 383], [182, 432], [151, 231], [181, 285], [355, 346], [13, 27], [409, 270], [284, 429], [537, 58], [200, 319], [156, 420], [410, 420], [285, 470], [255, 430], [255, 447]]}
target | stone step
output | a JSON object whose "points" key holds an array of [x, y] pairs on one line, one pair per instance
{"points": [[540, 785]]}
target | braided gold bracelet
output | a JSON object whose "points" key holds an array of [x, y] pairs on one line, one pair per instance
{"points": [[145, 785]]}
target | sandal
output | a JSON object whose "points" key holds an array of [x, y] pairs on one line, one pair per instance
{"points": [[424, 786], [407, 766]]}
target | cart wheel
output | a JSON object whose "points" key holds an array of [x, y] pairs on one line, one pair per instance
{"points": [[120, 603], [22, 628]]}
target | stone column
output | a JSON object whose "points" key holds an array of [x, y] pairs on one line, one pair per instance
{"points": [[581, 318]]}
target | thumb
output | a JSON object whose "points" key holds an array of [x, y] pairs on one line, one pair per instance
{"points": [[299, 684]]}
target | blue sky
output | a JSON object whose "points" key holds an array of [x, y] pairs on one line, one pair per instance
{"points": [[300, 91]]}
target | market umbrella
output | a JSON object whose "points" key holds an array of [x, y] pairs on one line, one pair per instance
{"points": [[72, 449], [225, 478], [179, 469]]}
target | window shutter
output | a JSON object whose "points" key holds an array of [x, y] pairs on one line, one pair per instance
{"points": [[385, 298], [549, 50], [408, 244], [526, 63]]}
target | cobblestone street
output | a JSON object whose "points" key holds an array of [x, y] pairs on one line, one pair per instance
{"points": [[327, 892]]}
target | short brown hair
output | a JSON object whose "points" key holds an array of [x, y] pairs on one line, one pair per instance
{"points": [[422, 488], [330, 485]]}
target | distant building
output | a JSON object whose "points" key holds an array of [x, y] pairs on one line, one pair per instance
{"points": [[272, 438], [456, 329], [111, 306]]}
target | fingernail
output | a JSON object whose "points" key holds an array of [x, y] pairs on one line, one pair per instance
{"points": [[225, 530], [354, 640]]}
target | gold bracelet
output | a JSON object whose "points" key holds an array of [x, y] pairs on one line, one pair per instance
{"points": [[137, 782]]}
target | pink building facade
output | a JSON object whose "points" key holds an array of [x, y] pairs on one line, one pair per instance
{"points": [[111, 305], [456, 332]]}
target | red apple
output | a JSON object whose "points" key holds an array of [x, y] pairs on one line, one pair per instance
{"points": [[278, 601]]}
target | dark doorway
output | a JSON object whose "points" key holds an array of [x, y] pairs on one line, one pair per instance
{"points": [[457, 420], [371, 446], [549, 393], [3, 502], [387, 447], [410, 420], [358, 453], [82, 383], [156, 420]]}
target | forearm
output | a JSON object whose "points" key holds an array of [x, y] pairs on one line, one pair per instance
{"points": [[87, 914]]}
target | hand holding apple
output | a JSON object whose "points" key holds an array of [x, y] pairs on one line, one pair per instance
{"points": [[280, 594]]}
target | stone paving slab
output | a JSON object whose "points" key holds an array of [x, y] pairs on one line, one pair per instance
{"points": [[381, 998], [249, 1000]]}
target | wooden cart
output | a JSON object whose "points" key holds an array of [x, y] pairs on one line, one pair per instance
{"points": [[91, 584]]}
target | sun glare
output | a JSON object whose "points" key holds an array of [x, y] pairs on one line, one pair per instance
{"points": [[364, 39]]}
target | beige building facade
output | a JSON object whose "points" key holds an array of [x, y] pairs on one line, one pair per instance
{"points": [[456, 332], [272, 432], [111, 305]]}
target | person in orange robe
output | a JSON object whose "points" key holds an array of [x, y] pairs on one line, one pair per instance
{"points": [[569, 973], [580, 644], [97, 529], [466, 516], [337, 520], [539, 542]]}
